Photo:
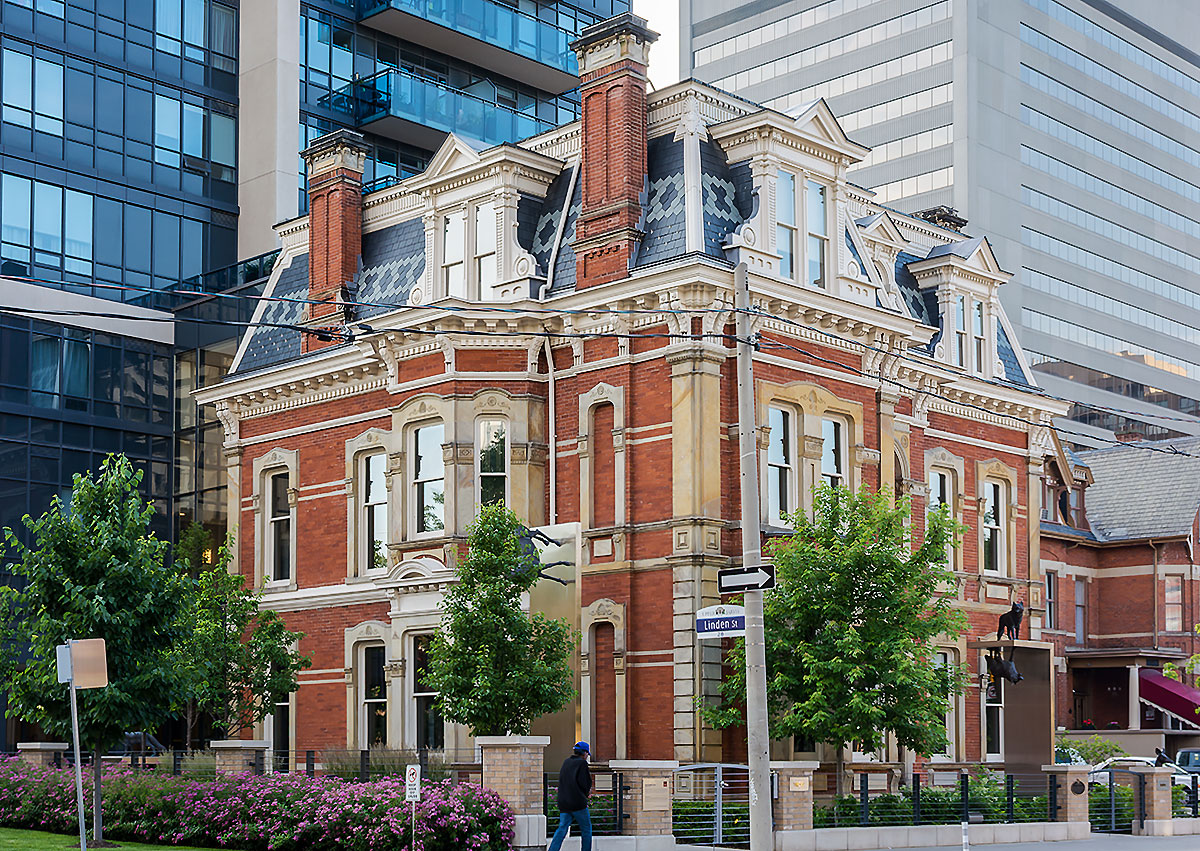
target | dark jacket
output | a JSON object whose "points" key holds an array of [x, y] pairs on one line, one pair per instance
{"points": [[574, 784]]}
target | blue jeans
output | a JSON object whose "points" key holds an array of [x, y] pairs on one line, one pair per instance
{"points": [[580, 817]]}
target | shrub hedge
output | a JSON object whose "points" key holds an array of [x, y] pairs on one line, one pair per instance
{"points": [[278, 812]]}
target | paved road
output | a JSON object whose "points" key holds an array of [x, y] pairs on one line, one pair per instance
{"points": [[1098, 842]]}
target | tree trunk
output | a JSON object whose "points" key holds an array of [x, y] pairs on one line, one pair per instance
{"points": [[97, 814]]}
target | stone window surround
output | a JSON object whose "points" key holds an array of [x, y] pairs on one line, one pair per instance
{"points": [[995, 470], [810, 404], [601, 394], [460, 415], [508, 460], [373, 441], [276, 460], [946, 461], [357, 638], [956, 715]]}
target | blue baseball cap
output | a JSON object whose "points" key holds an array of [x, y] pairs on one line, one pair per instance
{"points": [[583, 746]]}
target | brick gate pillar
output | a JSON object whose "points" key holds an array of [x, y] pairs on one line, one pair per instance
{"points": [[1072, 792], [514, 768], [794, 794], [41, 753], [648, 801], [1158, 803]]}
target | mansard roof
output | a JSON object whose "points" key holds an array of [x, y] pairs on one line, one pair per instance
{"points": [[394, 241]]}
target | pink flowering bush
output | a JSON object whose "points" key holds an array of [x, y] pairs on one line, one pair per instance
{"points": [[279, 812]]}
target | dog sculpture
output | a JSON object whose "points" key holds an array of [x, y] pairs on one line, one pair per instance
{"points": [[1010, 621]]}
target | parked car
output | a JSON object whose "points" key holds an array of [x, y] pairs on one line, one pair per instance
{"points": [[1100, 773], [1066, 755], [1189, 759], [138, 743]]}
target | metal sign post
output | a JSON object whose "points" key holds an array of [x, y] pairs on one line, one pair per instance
{"points": [[758, 737], [81, 664], [412, 794]]}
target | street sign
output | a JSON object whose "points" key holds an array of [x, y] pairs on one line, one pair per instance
{"points": [[721, 622], [412, 783], [735, 580], [81, 664]]}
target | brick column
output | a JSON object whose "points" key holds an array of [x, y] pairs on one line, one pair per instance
{"points": [[40, 753], [648, 801], [1158, 803], [514, 768], [1072, 781], [238, 756], [794, 794]]}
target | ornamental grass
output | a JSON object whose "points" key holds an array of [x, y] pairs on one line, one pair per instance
{"points": [[277, 812]]}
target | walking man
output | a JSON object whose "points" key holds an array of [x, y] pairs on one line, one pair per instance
{"points": [[574, 786]]}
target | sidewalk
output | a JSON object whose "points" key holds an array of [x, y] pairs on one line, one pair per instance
{"points": [[1098, 842]]}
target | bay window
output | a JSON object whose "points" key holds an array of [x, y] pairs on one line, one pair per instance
{"points": [[493, 462], [428, 480], [818, 232], [833, 453]]}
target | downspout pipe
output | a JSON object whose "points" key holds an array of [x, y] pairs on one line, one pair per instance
{"points": [[552, 433], [1154, 591]]}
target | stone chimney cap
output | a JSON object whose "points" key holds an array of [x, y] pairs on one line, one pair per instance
{"points": [[942, 216], [341, 138], [625, 23]]}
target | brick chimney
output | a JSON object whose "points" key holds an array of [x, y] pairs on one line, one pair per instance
{"points": [[613, 55], [335, 170]]}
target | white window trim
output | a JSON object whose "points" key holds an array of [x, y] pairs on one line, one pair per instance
{"points": [[792, 445], [809, 233], [444, 266], [1050, 580], [1167, 579], [373, 441], [991, 756], [410, 693], [479, 474], [1002, 498], [414, 507], [844, 428], [470, 262], [276, 461], [360, 659], [801, 225]]}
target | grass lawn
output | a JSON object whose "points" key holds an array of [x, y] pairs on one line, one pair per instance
{"points": [[35, 840]]}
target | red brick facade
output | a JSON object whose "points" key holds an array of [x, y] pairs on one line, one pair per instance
{"points": [[638, 467]]}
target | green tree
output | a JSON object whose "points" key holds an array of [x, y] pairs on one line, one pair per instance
{"points": [[94, 570], [241, 656], [851, 626], [495, 667], [190, 551], [1093, 750]]}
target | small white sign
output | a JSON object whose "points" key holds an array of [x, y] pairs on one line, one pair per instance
{"points": [[64, 662], [412, 783], [723, 621]]}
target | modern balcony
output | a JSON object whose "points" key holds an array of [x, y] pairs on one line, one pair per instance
{"points": [[489, 34], [420, 111]]}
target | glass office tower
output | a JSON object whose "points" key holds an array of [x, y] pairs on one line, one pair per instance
{"points": [[403, 72], [1064, 129], [118, 143]]}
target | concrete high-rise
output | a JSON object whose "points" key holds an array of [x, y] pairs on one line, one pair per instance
{"points": [[1065, 129], [404, 73]]}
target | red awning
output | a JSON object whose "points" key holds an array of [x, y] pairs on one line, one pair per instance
{"points": [[1169, 695]]}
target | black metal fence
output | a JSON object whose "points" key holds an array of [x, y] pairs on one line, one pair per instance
{"points": [[1185, 799], [606, 805], [985, 798], [711, 805], [1116, 800]]}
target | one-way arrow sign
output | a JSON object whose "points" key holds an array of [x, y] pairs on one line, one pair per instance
{"points": [[735, 580]]}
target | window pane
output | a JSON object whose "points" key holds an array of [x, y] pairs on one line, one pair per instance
{"points": [[79, 227], [454, 236], [429, 452], [785, 198], [431, 500], [784, 243], [281, 546], [16, 209], [75, 369], [224, 144], [815, 193], [376, 486], [816, 261], [44, 375], [47, 218], [831, 451], [374, 685], [779, 449], [491, 446], [279, 495], [485, 229]]}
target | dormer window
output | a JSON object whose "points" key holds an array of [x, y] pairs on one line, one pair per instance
{"points": [[960, 332], [791, 219], [980, 339], [469, 252], [969, 345], [454, 244], [818, 233]]}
